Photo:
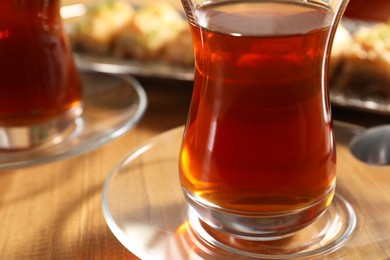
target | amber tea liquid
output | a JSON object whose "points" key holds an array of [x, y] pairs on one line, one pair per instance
{"points": [[258, 141], [38, 79]]}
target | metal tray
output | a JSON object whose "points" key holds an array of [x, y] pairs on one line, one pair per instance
{"points": [[160, 70]]}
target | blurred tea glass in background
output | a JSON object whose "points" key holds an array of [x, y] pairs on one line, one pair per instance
{"points": [[39, 83], [258, 156]]}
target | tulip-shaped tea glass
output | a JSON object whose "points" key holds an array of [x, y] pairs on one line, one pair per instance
{"points": [[40, 86], [258, 155]]}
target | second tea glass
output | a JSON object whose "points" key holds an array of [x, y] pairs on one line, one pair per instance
{"points": [[40, 86], [258, 159]]}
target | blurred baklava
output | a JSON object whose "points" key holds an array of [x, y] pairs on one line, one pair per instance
{"points": [[342, 41], [99, 27], [153, 27], [366, 69]]}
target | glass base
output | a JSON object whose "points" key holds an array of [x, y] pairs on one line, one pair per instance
{"points": [[48, 133], [328, 233], [144, 206], [257, 227]]}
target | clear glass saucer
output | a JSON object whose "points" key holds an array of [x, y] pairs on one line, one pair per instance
{"points": [[112, 106], [144, 207]]}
